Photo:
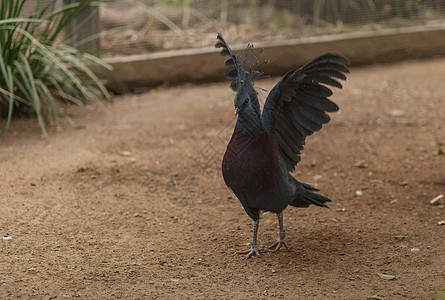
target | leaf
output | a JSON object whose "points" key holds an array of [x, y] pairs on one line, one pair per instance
{"points": [[125, 153], [440, 151], [386, 276], [441, 222], [376, 297], [362, 165], [38, 73], [336, 220], [437, 200]]}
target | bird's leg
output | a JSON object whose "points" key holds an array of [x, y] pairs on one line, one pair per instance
{"points": [[280, 242], [253, 246]]}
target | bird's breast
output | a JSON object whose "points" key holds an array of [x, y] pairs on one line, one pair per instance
{"points": [[250, 164]]}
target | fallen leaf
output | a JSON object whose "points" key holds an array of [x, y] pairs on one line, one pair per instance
{"points": [[376, 297], [436, 200], [361, 165], [125, 153], [441, 222], [386, 276], [336, 220], [341, 209], [440, 151]]}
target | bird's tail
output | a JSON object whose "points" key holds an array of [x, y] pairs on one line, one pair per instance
{"points": [[308, 197]]}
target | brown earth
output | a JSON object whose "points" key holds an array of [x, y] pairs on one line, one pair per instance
{"points": [[130, 203]]}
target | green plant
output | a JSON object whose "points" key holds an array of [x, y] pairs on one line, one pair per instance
{"points": [[287, 19], [37, 73]]}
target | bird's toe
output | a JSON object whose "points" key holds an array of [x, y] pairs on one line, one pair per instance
{"points": [[252, 251], [277, 245]]}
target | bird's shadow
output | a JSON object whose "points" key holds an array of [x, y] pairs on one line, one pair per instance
{"points": [[317, 246]]}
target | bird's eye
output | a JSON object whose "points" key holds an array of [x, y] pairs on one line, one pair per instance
{"points": [[245, 101]]}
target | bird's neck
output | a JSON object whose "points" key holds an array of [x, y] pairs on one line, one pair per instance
{"points": [[248, 122]]}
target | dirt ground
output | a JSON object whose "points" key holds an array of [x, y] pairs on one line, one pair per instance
{"points": [[130, 203]]}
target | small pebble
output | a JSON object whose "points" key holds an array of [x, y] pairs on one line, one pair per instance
{"points": [[318, 177], [397, 113]]}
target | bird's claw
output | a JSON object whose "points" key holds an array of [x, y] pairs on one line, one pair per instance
{"points": [[252, 251], [277, 245], [280, 242]]}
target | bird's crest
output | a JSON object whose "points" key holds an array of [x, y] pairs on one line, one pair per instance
{"points": [[242, 68]]}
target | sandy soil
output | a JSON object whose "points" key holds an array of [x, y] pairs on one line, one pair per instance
{"points": [[130, 203]]}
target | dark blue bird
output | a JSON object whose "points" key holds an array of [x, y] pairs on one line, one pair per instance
{"points": [[265, 146]]}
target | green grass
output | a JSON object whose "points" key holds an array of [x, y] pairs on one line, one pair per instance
{"points": [[39, 74]]}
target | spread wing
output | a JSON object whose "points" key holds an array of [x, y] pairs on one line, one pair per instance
{"points": [[296, 107]]}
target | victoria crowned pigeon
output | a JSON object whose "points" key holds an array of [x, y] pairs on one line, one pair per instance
{"points": [[265, 146]]}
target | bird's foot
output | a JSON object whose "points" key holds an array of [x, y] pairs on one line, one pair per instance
{"points": [[280, 242], [252, 251], [277, 245]]}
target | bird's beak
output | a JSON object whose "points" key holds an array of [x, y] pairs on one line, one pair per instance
{"points": [[237, 110]]}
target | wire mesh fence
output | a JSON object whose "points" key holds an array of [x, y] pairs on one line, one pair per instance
{"points": [[145, 26]]}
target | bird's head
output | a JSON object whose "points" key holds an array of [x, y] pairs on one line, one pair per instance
{"points": [[243, 73], [246, 96]]}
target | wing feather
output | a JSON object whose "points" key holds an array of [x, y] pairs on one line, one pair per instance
{"points": [[323, 79], [292, 133], [288, 154], [298, 104], [315, 89], [319, 103], [314, 114], [297, 119]]}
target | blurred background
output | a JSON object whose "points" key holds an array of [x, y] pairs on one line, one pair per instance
{"points": [[126, 200], [120, 28]]}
